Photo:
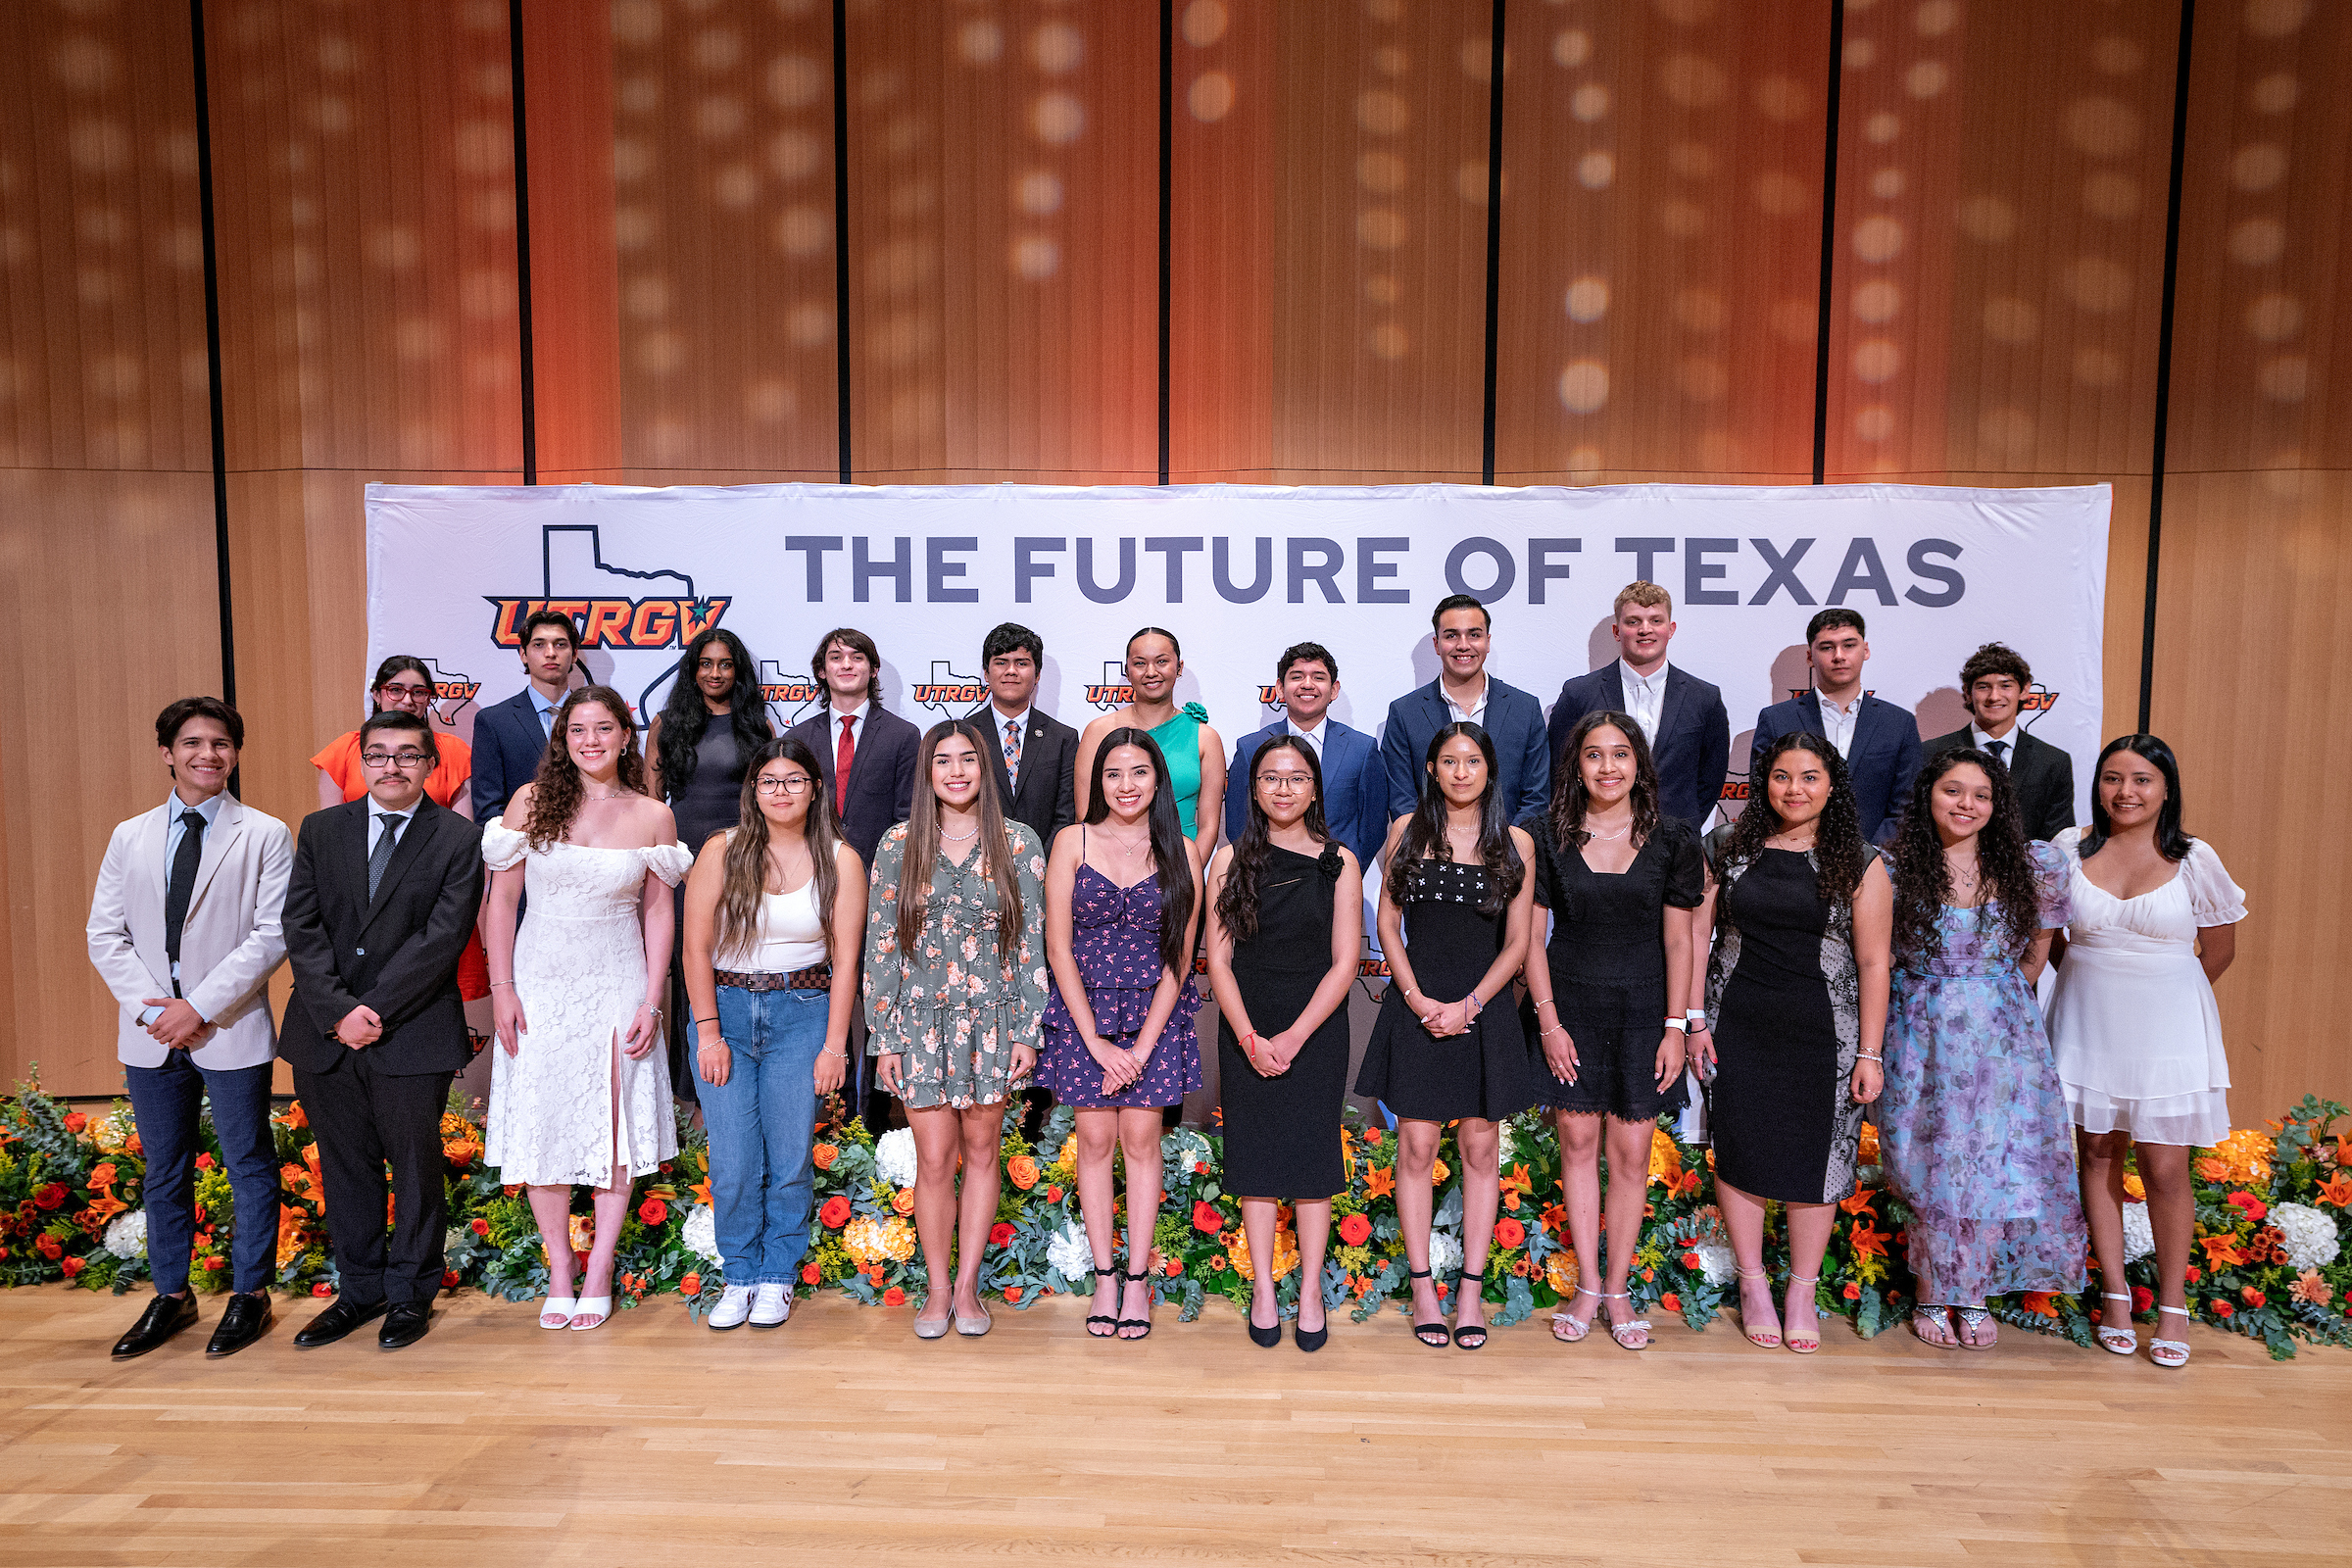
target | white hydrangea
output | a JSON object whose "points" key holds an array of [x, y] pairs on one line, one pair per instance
{"points": [[2311, 1238], [1068, 1253], [2140, 1237], [1505, 1150], [126, 1237], [1444, 1254], [701, 1233], [893, 1156], [1186, 1147], [1715, 1263]]}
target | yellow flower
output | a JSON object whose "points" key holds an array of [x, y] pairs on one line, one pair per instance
{"points": [[1286, 1253], [1665, 1160], [1438, 1172], [1559, 1271], [866, 1242], [1237, 1248], [2135, 1189], [898, 1241], [2247, 1155]]}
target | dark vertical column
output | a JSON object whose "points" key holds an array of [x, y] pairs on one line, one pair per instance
{"points": [[1829, 244], [2164, 363], [523, 247], [1494, 236], [212, 351], [841, 225], [1167, 184]]}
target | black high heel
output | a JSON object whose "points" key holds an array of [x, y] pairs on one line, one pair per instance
{"points": [[1311, 1340], [1461, 1335], [1423, 1330], [1102, 1317], [1264, 1339], [1142, 1323]]}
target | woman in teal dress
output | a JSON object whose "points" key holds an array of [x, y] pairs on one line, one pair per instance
{"points": [[1195, 752]]}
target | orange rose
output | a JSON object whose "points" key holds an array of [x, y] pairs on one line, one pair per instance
{"points": [[1012, 1294], [894, 1296], [823, 1156], [1022, 1169], [902, 1202], [691, 1284]]}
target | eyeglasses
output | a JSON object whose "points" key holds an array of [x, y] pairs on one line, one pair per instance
{"points": [[406, 692], [377, 758], [1284, 783], [790, 784]]}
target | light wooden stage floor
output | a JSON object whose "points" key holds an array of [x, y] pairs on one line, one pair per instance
{"points": [[841, 1438]]}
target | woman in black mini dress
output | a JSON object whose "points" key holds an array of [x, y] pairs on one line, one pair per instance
{"points": [[1453, 922], [1619, 880], [1286, 930]]}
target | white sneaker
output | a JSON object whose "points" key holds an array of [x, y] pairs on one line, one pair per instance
{"points": [[734, 1306], [770, 1307]]}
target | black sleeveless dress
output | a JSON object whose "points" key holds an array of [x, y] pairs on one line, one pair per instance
{"points": [[1484, 1073], [711, 803], [1282, 1135]]}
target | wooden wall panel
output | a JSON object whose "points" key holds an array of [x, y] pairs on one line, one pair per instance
{"points": [[1004, 278], [1661, 243], [106, 509], [2257, 542], [568, 96]]}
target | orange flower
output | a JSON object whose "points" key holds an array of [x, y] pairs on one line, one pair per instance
{"points": [[1860, 1202], [1868, 1152], [2221, 1251], [691, 1284], [2309, 1287], [2338, 1190], [823, 1156], [1554, 1218], [702, 1191], [1379, 1181], [295, 1116], [1012, 1294], [1022, 1169], [1439, 1170], [2135, 1189], [2042, 1302], [1517, 1180], [2212, 1169], [1867, 1240], [292, 1232], [902, 1200], [103, 1174]]}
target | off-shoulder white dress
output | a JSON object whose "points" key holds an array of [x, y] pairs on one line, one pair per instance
{"points": [[2134, 1025], [558, 1114]]}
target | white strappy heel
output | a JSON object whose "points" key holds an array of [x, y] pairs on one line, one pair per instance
{"points": [[1567, 1330], [2122, 1339], [1619, 1331], [2169, 1353]]}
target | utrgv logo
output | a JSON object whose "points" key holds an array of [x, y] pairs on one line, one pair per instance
{"points": [[1115, 691], [618, 623], [949, 694], [1269, 697]]}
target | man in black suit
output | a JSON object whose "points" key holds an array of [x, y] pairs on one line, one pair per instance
{"points": [[1036, 754], [510, 738], [1993, 684], [383, 895], [1682, 717], [1878, 741], [875, 790]]}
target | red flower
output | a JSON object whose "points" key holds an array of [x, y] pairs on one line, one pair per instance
{"points": [[894, 1296], [1053, 1195], [322, 1289], [204, 1162], [49, 1248], [653, 1211], [811, 1274], [1207, 1220], [1670, 1302], [481, 1227], [73, 1266], [836, 1212], [216, 1262], [2252, 1296], [1012, 1294], [1692, 1260], [75, 1121], [1200, 1167], [1000, 1234], [1510, 1232], [691, 1284], [2253, 1207], [449, 1279], [1355, 1229], [2142, 1299], [1853, 1292], [1372, 1139], [2195, 1274], [51, 1195], [2222, 1309]]}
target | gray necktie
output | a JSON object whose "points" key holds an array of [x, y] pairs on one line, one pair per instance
{"points": [[382, 856]]}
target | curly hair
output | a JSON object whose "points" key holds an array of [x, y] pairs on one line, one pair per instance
{"points": [[1425, 830], [556, 790], [1839, 855], [1923, 881], [1569, 798], [1237, 899]]}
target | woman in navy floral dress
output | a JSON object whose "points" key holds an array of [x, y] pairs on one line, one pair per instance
{"points": [[1119, 1040], [1974, 1130]]}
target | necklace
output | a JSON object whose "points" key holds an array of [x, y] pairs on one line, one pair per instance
{"points": [[946, 837], [1137, 847], [615, 796], [1593, 832]]}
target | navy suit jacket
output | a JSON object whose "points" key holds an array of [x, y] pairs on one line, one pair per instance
{"points": [[509, 745], [1692, 749], [2042, 774], [1515, 721], [881, 774], [1355, 788], [1881, 761]]}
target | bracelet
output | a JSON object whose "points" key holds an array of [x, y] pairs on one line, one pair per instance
{"points": [[1556, 1029], [1475, 1003], [495, 983], [1681, 1026], [840, 1054], [1864, 1056], [1549, 1003]]}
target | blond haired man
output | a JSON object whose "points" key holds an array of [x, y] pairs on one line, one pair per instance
{"points": [[1682, 717]]}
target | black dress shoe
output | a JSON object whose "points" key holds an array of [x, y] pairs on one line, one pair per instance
{"points": [[405, 1325], [165, 1316], [336, 1321], [242, 1322]]}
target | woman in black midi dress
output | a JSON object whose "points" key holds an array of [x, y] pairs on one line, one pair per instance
{"points": [[1453, 922], [1286, 928]]}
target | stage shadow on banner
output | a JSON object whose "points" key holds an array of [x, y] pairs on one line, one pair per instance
{"points": [[1941, 711], [1601, 646]]}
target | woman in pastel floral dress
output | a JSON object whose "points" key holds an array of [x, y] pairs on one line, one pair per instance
{"points": [[1974, 1130], [956, 985]]}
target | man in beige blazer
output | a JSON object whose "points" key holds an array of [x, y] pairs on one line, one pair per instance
{"points": [[184, 929]]}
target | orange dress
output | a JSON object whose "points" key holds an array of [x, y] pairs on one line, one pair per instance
{"points": [[339, 760]]}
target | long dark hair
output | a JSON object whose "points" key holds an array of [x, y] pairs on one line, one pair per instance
{"points": [[1169, 857], [556, 791], [1237, 899], [1570, 798], [1923, 881], [685, 714], [2170, 842], [746, 862], [398, 665], [922, 845], [1425, 831], [1839, 855]]}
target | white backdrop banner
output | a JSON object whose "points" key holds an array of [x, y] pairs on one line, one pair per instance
{"points": [[1238, 573]]}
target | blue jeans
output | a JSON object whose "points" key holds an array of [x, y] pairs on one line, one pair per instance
{"points": [[761, 1124], [166, 1101]]}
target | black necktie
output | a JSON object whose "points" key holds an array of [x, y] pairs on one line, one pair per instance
{"points": [[382, 856], [182, 886], [1999, 750]]}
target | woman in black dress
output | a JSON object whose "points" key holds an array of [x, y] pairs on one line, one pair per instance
{"points": [[1619, 880], [1801, 911], [1441, 1050], [697, 767], [1286, 925]]}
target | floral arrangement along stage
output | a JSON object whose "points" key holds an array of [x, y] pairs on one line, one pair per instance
{"points": [[2271, 1260]]}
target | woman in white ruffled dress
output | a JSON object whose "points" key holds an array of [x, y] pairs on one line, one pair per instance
{"points": [[579, 1087], [2134, 1025]]}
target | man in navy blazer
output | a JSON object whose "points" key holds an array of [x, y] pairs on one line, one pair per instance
{"points": [[882, 747], [1878, 741], [1463, 689], [510, 738], [1682, 717], [1355, 781]]}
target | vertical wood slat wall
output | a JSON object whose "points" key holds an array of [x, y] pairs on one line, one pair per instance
{"points": [[1996, 291]]}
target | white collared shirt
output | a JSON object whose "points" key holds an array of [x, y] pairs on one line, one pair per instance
{"points": [[1474, 715], [1644, 698], [1983, 741], [544, 709], [1312, 737], [377, 817], [1017, 723], [1837, 724], [857, 718]]}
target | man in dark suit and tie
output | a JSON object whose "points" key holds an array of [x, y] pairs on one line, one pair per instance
{"points": [[1036, 754], [1993, 684], [1878, 741], [384, 894], [1463, 689], [1355, 781], [510, 738], [1682, 717], [867, 753]]}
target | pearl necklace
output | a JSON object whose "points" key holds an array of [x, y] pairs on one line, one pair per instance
{"points": [[946, 837]]}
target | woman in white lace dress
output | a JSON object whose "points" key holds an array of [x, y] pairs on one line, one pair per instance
{"points": [[579, 1089]]}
